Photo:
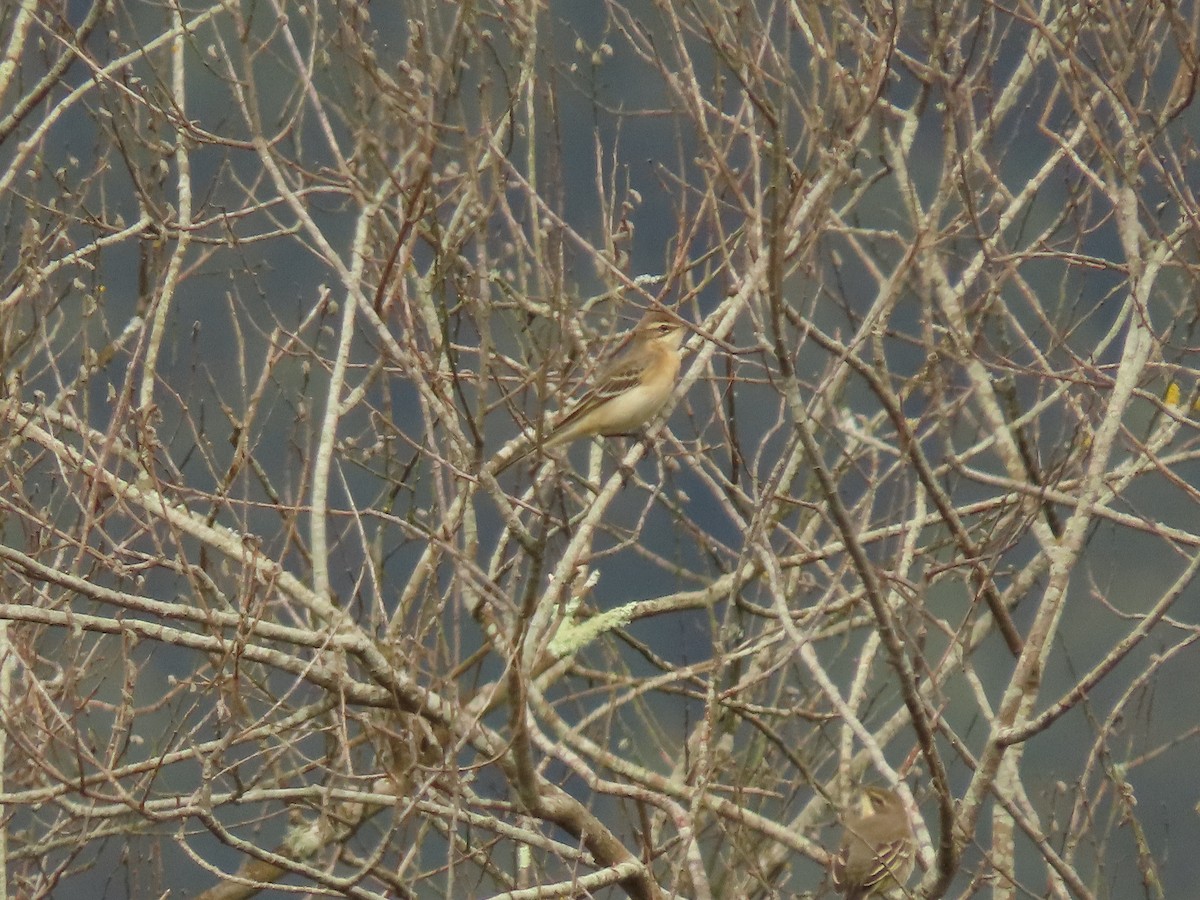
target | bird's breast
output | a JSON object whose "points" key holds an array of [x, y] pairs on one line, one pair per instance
{"points": [[629, 411]]}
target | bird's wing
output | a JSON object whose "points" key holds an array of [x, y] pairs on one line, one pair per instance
{"points": [[890, 861], [621, 376]]}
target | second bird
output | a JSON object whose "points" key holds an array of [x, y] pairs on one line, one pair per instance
{"points": [[876, 853]]}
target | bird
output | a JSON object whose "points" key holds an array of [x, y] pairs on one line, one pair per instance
{"points": [[876, 854], [627, 392]]}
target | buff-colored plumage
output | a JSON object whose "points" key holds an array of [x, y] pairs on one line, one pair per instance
{"points": [[626, 393]]}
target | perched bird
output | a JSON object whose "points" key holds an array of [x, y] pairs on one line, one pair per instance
{"points": [[876, 854], [626, 393]]}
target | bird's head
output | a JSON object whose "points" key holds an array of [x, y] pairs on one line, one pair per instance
{"points": [[663, 328]]}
